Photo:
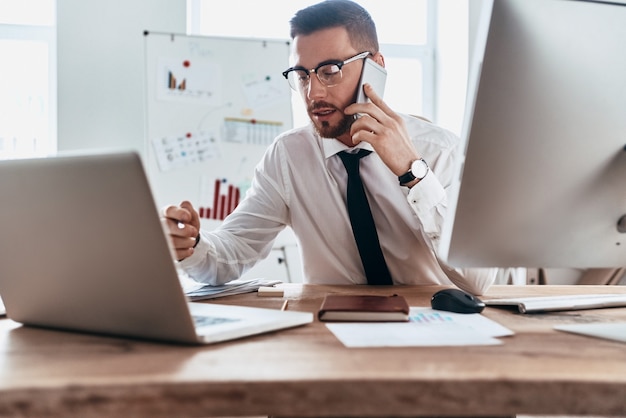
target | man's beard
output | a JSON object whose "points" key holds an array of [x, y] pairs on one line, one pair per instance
{"points": [[326, 130]]}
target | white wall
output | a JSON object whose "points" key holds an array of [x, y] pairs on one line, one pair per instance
{"points": [[101, 68]]}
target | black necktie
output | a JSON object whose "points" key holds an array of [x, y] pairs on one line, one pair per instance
{"points": [[363, 226]]}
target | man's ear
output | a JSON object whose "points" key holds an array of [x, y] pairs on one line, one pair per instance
{"points": [[380, 60]]}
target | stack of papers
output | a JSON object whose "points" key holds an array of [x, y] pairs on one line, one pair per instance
{"points": [[200, 291]]}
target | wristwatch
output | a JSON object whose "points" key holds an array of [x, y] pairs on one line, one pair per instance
{"points": [[418, 171]]}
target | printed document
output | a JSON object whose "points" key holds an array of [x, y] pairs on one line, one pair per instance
{"points": [[426, 328], [196, 291]]}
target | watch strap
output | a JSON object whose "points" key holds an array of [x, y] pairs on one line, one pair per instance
{"points": [[409, 176], [406, 178]]}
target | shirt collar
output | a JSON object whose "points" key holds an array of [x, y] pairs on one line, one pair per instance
{"points": [[334, 146]]}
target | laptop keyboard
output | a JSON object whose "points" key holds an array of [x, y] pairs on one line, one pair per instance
{"points": [[203, 321]]}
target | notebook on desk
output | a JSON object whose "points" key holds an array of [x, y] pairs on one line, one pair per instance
{"points": [[83, 249]]}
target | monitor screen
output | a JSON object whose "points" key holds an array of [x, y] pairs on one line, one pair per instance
{"points": [[543, 181]]}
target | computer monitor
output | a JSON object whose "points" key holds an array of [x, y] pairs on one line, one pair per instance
{"points": [[543, 181]]}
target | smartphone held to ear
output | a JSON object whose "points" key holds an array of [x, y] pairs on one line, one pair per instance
{"points": [[374, 75]]}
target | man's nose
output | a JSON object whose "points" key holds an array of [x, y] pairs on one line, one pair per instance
{"points": [[315, 89]]}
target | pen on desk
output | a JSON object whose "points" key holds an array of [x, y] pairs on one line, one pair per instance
{"points": [[284, 307]]}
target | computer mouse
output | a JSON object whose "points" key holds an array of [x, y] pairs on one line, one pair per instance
{"points": [[456, 300]]}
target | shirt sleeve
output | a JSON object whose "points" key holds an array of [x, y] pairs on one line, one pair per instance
{"points": [[428, 200], [246, 236]]}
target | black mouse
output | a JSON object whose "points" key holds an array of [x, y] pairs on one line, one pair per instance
{"points": [[456, 300]]}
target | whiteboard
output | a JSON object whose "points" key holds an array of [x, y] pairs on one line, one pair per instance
{"points": [[213, 105]]}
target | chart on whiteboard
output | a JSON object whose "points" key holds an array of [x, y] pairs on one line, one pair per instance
{"points": [[213, 107]]}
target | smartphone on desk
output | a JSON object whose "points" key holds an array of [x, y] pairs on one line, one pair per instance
{"points": [[373, 74]]}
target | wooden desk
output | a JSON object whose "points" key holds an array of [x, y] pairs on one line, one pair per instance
{"points": [[306, 371]]}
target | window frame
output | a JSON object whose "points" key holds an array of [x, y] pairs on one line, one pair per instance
{"points": [[47, 35], [424, 53]]}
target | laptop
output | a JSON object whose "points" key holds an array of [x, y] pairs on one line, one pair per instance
{"points": [[83, 249]]}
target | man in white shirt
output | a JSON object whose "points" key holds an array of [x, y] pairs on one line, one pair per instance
{"points": [[301, 181]]}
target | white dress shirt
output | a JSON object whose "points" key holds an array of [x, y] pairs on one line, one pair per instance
{"points": [[301, 182]]}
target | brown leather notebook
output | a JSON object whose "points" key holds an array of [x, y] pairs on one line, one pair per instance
{"points": [[364, 308]]}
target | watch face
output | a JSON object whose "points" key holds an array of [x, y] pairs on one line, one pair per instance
{"points": [[419, 168]]}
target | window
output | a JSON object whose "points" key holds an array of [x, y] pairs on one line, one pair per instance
{"points": [[27, 78], [406, 39]]}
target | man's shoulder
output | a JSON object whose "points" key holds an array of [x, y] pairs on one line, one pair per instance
{"points": [[296, 134], [300, 139], [422, 130], [292, 143]]}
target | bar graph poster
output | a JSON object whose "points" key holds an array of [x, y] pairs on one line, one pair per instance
{"points": [[220, 198], [189, 80]]}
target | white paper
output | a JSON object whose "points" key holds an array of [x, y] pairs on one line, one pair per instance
{"points": [[194, 81], [200, 291], [182, 150], [426, 328], [264, 90], [610, 330]]}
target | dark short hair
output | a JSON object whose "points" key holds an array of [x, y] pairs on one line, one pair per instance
{"points": [[338, 13]]}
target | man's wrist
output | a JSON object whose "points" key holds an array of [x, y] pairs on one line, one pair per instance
{"points": [[416, 172]]}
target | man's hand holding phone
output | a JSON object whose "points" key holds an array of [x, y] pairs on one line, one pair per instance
{"points": [[373, 74], [385, 130]]}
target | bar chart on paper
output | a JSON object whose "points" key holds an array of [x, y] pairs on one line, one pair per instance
{"points": [[430, 317], [189, 81], [225, 199], [172, 83]]}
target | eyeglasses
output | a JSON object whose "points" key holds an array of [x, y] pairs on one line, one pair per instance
{"points": [[328, 73]]}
